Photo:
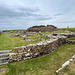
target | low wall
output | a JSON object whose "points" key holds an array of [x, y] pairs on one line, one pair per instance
{"points": [[70, 42], [68, 35], [35, 50]]}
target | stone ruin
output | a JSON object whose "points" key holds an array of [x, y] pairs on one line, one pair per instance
{"points": [[26, 34], [38, 49], [34, 50], [42, 28]]}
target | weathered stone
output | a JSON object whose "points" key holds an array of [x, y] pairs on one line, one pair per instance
{"points": [[58, 70], [28, 54], [73, 57], [40, 33], [12, 35], [24, 37], [70, 60], [17, 34], [65, 64]]}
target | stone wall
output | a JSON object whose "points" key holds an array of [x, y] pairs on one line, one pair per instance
{"points": [[68, 35], [35, 50], [70, 42]]}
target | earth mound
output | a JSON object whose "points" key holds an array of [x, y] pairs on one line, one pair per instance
{"points": [[42, 28]]}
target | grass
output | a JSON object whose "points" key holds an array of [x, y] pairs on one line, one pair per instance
{"points": [[69, 70], [8, 43], [47, 33], [68, 29], [61, 31], [12, 30], [36, 36], [45, 65]]}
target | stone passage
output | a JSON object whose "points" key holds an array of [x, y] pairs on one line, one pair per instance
{"points": [[4, 56], [42, 28]]}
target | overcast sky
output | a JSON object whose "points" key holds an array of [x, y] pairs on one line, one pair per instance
{"points": [[21, 14]]}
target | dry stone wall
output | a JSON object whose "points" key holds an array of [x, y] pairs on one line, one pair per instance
{"points": [[35, 50], [70, 42]]}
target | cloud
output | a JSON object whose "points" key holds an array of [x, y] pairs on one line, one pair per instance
{"points": [[19, 12], [22, 11], [57, 14], [43, 17], [25, 13], [69, 21]]}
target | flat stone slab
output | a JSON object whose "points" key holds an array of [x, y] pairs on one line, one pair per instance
{"points": [[4, 54], [3, 63], [4, 58], [5, 51]]}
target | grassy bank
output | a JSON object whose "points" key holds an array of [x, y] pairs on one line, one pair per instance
{"points": [[45, 65], [7, 42]]}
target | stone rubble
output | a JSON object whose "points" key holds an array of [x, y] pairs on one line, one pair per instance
{"points": [[12, 35]]}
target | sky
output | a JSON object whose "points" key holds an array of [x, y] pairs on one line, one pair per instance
{"points": [[22, 14]]}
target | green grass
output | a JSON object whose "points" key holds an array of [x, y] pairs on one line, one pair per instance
{"points": [[68, 29], [45, 65], [47, 33], [61, 31], [8, 43], [36, 36], [12, 30], [68, 70]]}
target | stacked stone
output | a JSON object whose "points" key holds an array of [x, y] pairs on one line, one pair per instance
{"points": [[4, 57], [70, 42], [38, 49], [68, 35]]}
